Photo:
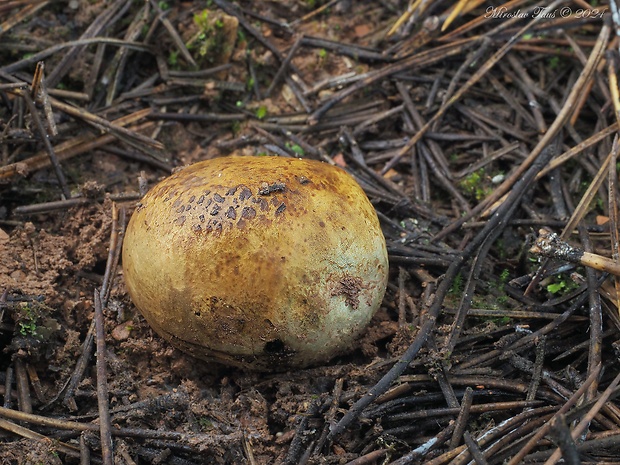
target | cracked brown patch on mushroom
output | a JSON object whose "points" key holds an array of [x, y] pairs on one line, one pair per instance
{"points": [[350, 287]]}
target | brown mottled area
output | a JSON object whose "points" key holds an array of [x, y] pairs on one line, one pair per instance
{"points": [[227, 204], [350, 287]]}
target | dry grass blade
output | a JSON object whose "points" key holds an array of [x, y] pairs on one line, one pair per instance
{"points": [[48, 145], [51, 206], [284, 65], [579, 148], [39, 93], [114, 252], [22, 15], [42, 55], [596, 81], [46, 421], [463, 418], [588, 196], [613, 221], [463, 6], [402, 19], [316, 12], [117, 64], [595, 355], [134, 139], [174, 35], [613, 177]]}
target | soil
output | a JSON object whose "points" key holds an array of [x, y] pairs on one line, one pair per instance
{"points": [[53, 262]]}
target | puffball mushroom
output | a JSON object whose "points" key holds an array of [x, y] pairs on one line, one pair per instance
{"points": [[264, 263]]}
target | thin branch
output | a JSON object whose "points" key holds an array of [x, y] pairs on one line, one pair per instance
{"points": [[105, 426]]}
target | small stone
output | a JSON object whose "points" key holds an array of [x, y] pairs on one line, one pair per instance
{"points": [[123, 331]]}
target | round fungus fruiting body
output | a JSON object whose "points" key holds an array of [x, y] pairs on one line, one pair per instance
{"points": [[265, 263]]}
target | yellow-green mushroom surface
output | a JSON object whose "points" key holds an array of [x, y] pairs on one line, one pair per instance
{"points": [[264, 263]]}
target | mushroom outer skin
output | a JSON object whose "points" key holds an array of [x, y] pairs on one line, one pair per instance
{"points": [[264, 263]]}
